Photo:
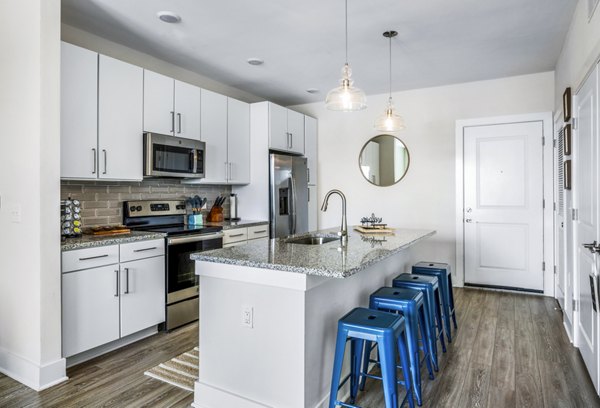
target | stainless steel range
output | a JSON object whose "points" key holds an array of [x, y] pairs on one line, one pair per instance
{"points": [[181, 241]]}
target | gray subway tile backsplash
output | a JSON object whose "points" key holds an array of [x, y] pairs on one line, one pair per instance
{"points": [[102, 201]]}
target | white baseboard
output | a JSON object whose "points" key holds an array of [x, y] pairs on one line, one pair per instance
{"points": [[35, 376]]}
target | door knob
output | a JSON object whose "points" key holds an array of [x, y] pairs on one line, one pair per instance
{"points": [[468, 220], [469, 210], [593, 247]]}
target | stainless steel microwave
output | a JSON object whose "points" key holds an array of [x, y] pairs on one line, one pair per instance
{"points": [[170, 156]]}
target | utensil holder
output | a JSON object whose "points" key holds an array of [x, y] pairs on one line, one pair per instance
{"points": [[194, 219], [215, 215]]}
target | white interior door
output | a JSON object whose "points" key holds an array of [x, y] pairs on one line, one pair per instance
{"points": [[503, 204], [586, 221]]}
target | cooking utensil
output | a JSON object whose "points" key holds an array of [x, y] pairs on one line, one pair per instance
{"points": [[197, 204]]}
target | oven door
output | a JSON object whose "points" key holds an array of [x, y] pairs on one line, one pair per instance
{"points": [[182, 282]]}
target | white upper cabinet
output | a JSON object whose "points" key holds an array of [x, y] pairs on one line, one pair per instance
{"points": [[214, 133], [187, 110], [310, 148], [159, 116], [226, 132], [238, 141], [120, 141], [171, 107], [286, 129], [78, 112], [296, 131]]}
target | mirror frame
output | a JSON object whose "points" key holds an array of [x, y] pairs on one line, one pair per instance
{"points": [[363, 149]]}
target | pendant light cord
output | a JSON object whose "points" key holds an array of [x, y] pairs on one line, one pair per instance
{"points": [[346, 31], [390, 66]]}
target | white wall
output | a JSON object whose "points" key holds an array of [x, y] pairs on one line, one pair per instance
{"points": [[30, 341], [425, 198], [581, 50], [92, 42]]}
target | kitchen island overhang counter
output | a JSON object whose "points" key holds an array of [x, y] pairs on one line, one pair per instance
{"points": [[269, 311]]}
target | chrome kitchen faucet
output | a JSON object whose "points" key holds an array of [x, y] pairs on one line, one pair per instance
{"points": [[343, 233]]}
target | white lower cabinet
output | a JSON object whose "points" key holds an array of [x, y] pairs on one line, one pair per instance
{"points": [[101, 304], [142, 294], [241, 236], [90, 308]]}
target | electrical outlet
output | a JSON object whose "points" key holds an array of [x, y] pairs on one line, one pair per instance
{"points": [[247, 316]]}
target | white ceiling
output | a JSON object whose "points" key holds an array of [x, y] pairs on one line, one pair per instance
{"points": [[302, 42]]}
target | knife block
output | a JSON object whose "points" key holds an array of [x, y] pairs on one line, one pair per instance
{"points": [[215, 215]]}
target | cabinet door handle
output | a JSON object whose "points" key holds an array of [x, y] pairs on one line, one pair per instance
{"points": [[236, 235], [117, 283], [260, 232], [95, 160], [179, 122], [126, 281], [229, 177], [144, 249], [93, 257], [291, 140], [308, 194], [172, 121], [308, 175], [226, 171], [104, 151]]}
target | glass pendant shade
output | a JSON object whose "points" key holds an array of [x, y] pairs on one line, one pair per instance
{"points": [[346, 97], [389, 121]]}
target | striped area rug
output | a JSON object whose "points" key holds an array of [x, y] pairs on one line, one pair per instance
{"points": [[181, 371]]}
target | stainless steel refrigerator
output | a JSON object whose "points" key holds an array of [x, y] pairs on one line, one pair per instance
{"points": [[288, 194]]}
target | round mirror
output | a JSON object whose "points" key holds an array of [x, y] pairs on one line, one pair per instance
{"points": [[384, 160]]}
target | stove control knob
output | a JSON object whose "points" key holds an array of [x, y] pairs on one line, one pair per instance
{"points": [[138, 208], [132, 208]]}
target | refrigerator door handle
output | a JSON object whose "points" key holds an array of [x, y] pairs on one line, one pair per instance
{"points": [[293, 203]]}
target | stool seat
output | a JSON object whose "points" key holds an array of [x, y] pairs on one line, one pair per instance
{"points": [[444, 274], [387, 330], [411, 304], [430, 287]]}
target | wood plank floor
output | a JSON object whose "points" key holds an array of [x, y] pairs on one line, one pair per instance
{"points": [[115, 379], [510, 350]]}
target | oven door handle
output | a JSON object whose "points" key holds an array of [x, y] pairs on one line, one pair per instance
{"points": [[194, 238]]}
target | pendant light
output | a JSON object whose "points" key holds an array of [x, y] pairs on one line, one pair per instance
{"points": [[346, 97], [390, 121]]}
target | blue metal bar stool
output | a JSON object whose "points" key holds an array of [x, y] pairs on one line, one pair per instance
{"points": [[444, 274], [431, 290], [411, 304], [387, 329]]}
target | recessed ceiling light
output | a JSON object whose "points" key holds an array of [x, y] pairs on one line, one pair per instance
{"points": [[169, 17], [255, 61], [312, 90]]}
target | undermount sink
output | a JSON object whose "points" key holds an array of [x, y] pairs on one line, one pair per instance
{"points": [[311, 240]]}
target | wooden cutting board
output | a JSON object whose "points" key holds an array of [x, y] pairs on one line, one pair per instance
{"points": [[108, 231], [363, 230]]}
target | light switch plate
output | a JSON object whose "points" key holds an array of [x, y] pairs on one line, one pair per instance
{"points": [[15, 213]]}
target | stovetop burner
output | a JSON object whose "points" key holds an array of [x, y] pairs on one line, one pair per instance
{"points": [[181, 229]]}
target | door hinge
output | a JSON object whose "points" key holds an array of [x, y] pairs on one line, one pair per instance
{"points": [[554, 143], [543, 141], [554, 269], [554, 206], [543, 203], [574, 305], [543, 266], [574, 123], [574, 214]]}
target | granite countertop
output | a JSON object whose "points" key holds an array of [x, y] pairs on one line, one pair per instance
{"points": [[235, 224], [89, 241], [328, 260]]}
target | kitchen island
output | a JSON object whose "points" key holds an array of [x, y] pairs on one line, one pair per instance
{"points": [[269, 311]]}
